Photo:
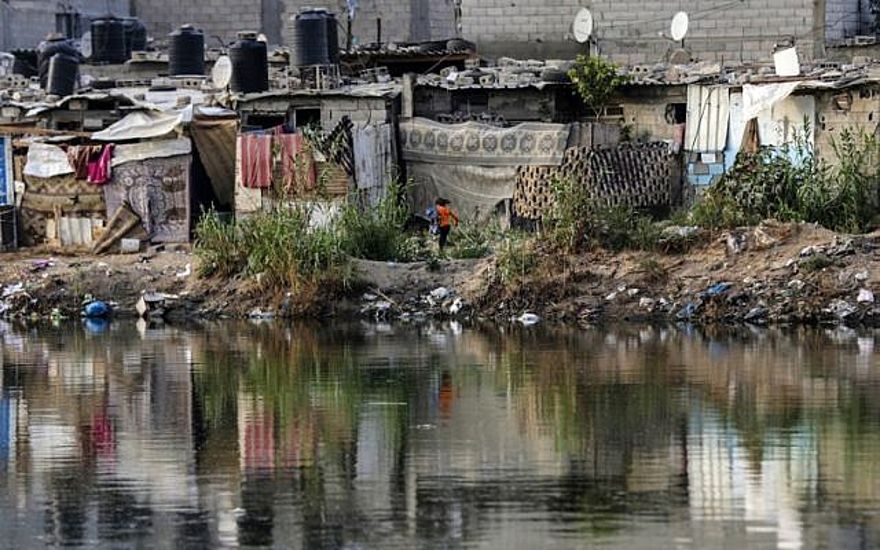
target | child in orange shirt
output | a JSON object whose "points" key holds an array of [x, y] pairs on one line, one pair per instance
{"points": [[445, 218]]}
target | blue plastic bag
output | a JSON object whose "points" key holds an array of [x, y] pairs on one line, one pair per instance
{"points": [[96, 310]]}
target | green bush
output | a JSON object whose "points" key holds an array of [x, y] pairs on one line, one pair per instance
{"points": [[578, 221], [376, 233], [280, 245], [515, 259], [595, 79], [472, 240], [218, 247], [792, 184]]}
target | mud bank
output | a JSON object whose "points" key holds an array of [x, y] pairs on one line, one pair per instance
{"points": [[771, 274]]}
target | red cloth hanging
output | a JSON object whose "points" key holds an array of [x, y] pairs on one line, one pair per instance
{"points": [[255, 152]]}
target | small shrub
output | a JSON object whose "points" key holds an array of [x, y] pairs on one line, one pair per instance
{"points": [[516, 257], [577, 222], [376, 233], [474, 240], [815, 263], [654, 272], [595, 79], [217, 246]]}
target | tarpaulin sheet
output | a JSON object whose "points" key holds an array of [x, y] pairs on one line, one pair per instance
{"points": [[759, 98], [46, 161], [163, 148], [141, 125], [531, 143], [215, 141], [474, 191]]}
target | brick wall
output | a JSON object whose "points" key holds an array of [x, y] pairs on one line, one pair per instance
{"points": [[24, 23], [628, 30]]}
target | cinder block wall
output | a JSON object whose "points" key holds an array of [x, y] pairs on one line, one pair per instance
{"points": [[629, 30], [222, 18], [847, 18], [402, 20], [24, 23]]}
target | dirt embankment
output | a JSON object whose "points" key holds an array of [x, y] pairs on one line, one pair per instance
{"points": [[774, 273]]}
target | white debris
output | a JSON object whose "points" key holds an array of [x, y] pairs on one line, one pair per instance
{"points": [[529, 319], [865, 296], [440, 293]]}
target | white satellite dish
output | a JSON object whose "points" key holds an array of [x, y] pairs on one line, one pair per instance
{"points": [[582, 28], [85, 45], [680, 24], [221, 74]]}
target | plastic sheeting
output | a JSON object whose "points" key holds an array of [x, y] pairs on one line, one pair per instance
{"points": [[7, 187], [215, 140], [46, 161], [760, 98], [474, 191], [138, 152], [141, 125]]}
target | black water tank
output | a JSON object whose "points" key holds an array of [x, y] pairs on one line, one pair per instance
{"points": [[332, 38], [54, 44], [26, 63], [187, 53], [108, 40], [63, 72], [250, 64], [310, 39], [135, 35]]}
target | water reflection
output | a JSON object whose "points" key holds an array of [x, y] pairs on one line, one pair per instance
{"points": [[378, 436]]}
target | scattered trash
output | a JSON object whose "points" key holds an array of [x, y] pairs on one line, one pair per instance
{"points": [[865, 296], [841, 309], [810, 251], [40, 265], [368, 297], [187, 271], [260, 314], [151, 305], [528, 319], [633, 292], [756, 315], [647, 303], [862, 276], [736, 243], [440, 294], [717, 289], [130, 246], [688, 311], [96, 309], [12, 290], [611, 297], [456, 307], [795, 284]]}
